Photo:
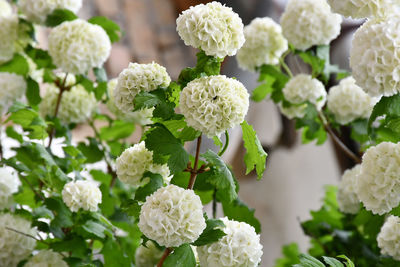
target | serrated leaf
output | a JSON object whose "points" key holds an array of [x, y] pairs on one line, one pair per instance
{"points": [[211, 234], [147, 99], [308, 261], [181, 257], [112, 29], [238, 211], [18, 65], [332, 262], [58, 16]]}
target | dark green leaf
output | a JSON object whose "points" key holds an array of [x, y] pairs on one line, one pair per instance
{"points": [[156, 181], [308, 261], [58, 16], [238, 211], [112, 29], [113, 255], [62, 215], [181, 257], [290, 256], [91, 151], [147, 99], [332, 262], [387, 106], [18, 64], [32, 92], [211, 234], [41, 57], [76, 245]]}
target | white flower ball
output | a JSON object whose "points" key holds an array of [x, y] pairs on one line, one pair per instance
{"points": [[172, 216], [142, 117], [264, 44], [15, 247], [135, 161], [358, 9], [81, 194], [214, 104], [137, 78], [306, 23], [148, 256], [77, 46], [46, 258], [240, 247], [303, 88], [375, 57], [38, 10], [213, 28], [9, 183], [378, 184], [346, 195], [349, 102], [389, 237], [5, 9], [8, 37], [12, 87], [294, 111]]}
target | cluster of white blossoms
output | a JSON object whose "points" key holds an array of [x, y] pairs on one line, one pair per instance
{"points": [[38, 10], [81, 194], [5, 8], [8, 36], [148, 256], [142, 117], [172, 216], [12, 87], [213, 28], [214, 104], [137, 78], [300, 89], [77, 46], [46, 258], [378, 184], [239, 247], [346, 195], [358, 9], [9, 183], [15, 247], [264, 44], [389, 237], [135, 161], [348, 102], [306, 23], [375, 56]]}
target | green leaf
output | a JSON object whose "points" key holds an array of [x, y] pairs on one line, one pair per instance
{"points": [[62, 215], [388, 106], [91, 151], [33, 92], [308, 261], [94, 228], [112, 29], [180, 130], [101, 75], [212, 233], [147, 99], [10, 131], [113, 255], [156, 182], [41, 57], [18, 65], [349, 263], [181, 257], [255, 156], [277, 79], [76, 245], [313, 128], [332, 262], [100, 90], [261, 91], [58, 16], [290, 256], [238, 211], [118, 130]]}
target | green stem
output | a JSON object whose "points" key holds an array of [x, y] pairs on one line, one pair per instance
{"points": [[226, 144], [285, 67]]}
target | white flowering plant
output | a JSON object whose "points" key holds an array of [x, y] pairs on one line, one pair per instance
{"points": [[104, 200]]}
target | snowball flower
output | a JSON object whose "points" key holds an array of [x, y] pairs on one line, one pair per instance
{"points": [[240, 247], [306, 23], [15, 247], [12, 87], [264, 44], [8, 36], [5, 8], [300, 89], [46, 258], [9, 183], [214, 104], [81, 194], [378, 184], [172, 216], [213, 28], [77, 46], [346, 195], [359, 9], [375, 56], [137, 78], [38, 10], [148, 256], [349, 102], [141, 117], [389, 237]]}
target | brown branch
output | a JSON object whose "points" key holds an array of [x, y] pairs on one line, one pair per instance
{"points": [[164, 257], [193, 173]]}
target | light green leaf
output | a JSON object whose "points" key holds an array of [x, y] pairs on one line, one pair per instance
{"points": [[18, 65], [118, 130], [238, 211], [181, 257], [332, 262], [32, 92], [112, 29], [261, 91]]}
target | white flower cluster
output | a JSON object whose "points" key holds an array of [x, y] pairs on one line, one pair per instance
{"points": [[137, 78], [135, 161], [81, 194], [346, 195], [214, 104], [306, 23], [349, 102], [213, 28], [378, 184], [15, 247], [172, 216], [375, 56], [38, 10], [148, 256], [46, 258], [142, 117], [239, 247], [358, 9], [12, 87], [9, 183], [5, 8], [76, 106], [8, 36], [300, 89], [77, 46], [389, 237], [264, 44]]}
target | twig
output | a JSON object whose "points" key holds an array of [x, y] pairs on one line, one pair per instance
{"points": [[25, 234], [193, 174], [284, 65], [214, 204], [164, 257]]}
